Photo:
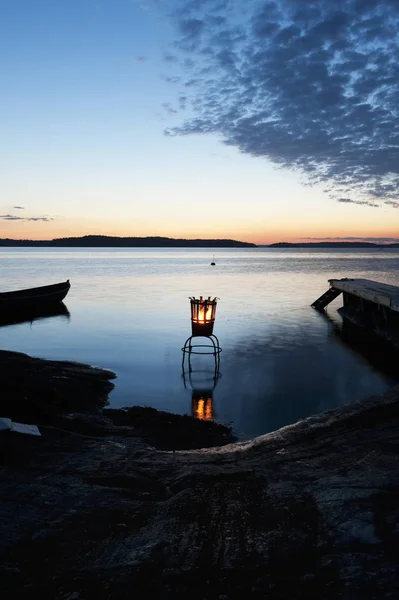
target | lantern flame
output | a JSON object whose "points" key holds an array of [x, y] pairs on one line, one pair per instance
{"points": [[204, 313]]}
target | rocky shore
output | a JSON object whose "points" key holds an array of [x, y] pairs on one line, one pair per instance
{"points": [[113, 504]]}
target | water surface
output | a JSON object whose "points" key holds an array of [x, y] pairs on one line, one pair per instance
{"points": [[129, 312]]}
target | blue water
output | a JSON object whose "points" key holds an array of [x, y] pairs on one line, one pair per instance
{"points": [[129, 312]]}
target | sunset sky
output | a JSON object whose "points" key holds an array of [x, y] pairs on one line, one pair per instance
{"points": [[259, 121]]}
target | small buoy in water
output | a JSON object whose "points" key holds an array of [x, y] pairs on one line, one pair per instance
{"points": [[213, 261]]}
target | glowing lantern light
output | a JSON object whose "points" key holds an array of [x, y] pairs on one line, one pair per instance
{"points": [[202, 316]]}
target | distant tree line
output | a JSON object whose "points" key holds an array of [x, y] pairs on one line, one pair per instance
{"points": [[100, 241], [105, 241], [332, 245]]}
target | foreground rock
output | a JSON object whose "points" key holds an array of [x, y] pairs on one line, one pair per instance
{"points": [[167, 431], [37, 390], [310, 511]]}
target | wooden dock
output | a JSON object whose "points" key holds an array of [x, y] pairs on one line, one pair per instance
{"points": [[379, 293], [373, 291], [369, 304]]}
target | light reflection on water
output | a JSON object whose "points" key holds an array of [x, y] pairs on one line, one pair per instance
{"points": [[129, 311]]}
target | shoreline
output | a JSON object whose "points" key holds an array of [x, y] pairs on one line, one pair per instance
{"points": [[92, 509], [74, 396]]}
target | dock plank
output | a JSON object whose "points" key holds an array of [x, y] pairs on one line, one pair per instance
{"points": [[374, 291]]}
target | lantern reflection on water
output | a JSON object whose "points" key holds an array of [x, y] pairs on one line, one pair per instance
{"points": [[202, 383], [202, 405]]}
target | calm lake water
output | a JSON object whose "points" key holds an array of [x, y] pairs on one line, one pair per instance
{"points": [[129, 312]]}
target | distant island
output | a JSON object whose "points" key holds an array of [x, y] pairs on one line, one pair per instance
{"points": [[331, 245], [105, 241]]}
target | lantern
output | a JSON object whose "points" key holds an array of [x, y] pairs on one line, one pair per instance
{"points": [[202, 316], [202, 321]]}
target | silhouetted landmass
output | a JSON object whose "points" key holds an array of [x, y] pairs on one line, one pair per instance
{"points": [[105, 241], [331, 245]]}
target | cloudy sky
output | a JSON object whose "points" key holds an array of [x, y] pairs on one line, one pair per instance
{"points": [[261, 121]]}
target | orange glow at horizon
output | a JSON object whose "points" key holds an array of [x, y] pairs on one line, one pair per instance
{"points": [[377, 225]]}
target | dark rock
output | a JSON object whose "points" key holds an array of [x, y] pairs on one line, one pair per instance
{"points": [[34, 390], [309, 511], [167, 431]]}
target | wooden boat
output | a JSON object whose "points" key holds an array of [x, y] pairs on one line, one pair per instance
{"points": [[33, 299]]}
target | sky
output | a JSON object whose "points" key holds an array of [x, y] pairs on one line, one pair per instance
{"points": [[261, 121]]}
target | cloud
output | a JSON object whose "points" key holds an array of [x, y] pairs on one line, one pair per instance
{"points": [[39, 219], [15, 218], [171, 58], [19, 207], [171, 78], [311, 86], [140, 59], [392, 203], [191, 31], [361, 202], [168, 108]]}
